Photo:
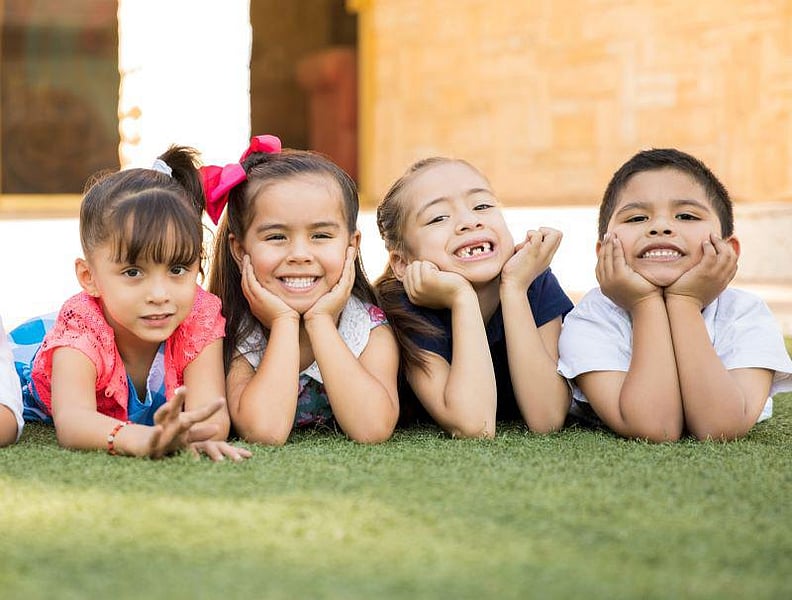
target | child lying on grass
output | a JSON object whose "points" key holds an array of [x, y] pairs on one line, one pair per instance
{"points": [[663, 347]]}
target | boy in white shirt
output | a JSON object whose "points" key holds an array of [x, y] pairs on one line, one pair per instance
{"points": [[10, 394], [663, 347]]}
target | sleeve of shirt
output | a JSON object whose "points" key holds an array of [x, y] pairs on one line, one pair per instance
{"points": [[547, 299], [10, 390], [596, 336], [81, 325], [748, 336], [441, 319]]}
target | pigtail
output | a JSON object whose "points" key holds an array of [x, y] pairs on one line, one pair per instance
{"points": [[184, 163]]}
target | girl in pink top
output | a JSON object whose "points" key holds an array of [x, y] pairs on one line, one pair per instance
{"points": [[133, 364]]}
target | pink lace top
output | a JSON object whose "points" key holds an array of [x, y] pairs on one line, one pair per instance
{"points": [[81, 325]]}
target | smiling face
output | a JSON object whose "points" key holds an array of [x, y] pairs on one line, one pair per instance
{"points": [[297, 239], [453, 220], [662, 217], [145, 301]]}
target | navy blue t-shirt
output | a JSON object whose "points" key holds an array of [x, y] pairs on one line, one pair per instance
{"points": [[547, 301]]}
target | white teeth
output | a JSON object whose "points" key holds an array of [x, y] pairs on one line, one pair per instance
{"points": [[298, 282], [469, 251], [661, 253]]}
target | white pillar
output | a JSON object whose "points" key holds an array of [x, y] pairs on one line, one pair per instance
{"points": [[185, 78]]}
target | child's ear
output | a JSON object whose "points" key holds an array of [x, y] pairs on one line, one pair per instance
{"points": [[734, 243], [354, 239], [237, 251], [85, 277], [398, 263], [600, 242]]}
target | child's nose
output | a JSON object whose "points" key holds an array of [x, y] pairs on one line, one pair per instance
{"points": [[660, 230], [299, 252], [468, 220], [660, 226], [158, 291]]}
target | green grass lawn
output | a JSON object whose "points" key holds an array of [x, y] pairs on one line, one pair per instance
{"points": [[577, 514]]}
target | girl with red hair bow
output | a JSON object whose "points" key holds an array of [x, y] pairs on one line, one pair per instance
{"points": [[305, 344]]}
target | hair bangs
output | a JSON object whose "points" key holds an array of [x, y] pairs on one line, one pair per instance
{"points": [[156, 227]]}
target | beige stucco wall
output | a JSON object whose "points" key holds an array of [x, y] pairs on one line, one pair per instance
{"points": [[549, 97]]}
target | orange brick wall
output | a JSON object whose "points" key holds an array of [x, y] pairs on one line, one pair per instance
{"points": [[549, 97]]}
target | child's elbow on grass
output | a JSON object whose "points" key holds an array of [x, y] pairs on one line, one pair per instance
{"points": [[466, 431], [717, 434], [657, 434], [546, 428], [65, 438], [374, 435], [265, 435]]}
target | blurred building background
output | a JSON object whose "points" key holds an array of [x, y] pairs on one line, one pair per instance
{"points": [[546, 97]]}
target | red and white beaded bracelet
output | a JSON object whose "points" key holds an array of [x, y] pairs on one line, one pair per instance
{"points": [[111, 437]]}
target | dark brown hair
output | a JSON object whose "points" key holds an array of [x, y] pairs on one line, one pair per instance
{"points": [[668, 158], [262, 169], [146, 213]]}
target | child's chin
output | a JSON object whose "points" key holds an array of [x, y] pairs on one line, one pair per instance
{"points": [[662, 280]]}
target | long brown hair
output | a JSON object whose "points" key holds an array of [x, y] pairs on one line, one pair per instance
{"points": [[225, 277]]}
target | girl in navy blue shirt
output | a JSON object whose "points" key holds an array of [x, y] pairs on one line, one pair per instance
{"points": [[477, 318]]}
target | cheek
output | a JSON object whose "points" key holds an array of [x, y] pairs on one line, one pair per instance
{"points": [[263, 261]]}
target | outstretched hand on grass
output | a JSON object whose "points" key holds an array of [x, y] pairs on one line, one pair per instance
{"points": [[176, 429]]}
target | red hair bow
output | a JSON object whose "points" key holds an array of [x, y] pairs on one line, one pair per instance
{"points": [[218, 181]]}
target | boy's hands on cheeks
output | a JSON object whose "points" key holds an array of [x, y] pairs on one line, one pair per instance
{"points": [[333, 302], [617, 280], [705, 281], [428, 286], [531, 257], [264, 305]]}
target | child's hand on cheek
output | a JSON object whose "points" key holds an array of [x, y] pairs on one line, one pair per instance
{"points": [[428, 286], [264, 305], [531, 257], [706, 280], [333, 302], [617, 279]]}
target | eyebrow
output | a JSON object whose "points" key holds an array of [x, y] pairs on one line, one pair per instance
{"points": [[277, 226], [638, 205], [468, 193]]}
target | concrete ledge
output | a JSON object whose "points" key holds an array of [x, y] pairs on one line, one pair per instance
{"points": [[45, 206], [765, 234]]}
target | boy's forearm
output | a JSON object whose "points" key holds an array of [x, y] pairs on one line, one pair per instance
{"points": [[649, 401], [714, 406]]}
